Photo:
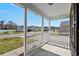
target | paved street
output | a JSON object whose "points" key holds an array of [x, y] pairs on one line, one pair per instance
{"points": [[18, 35], [9, 36]]}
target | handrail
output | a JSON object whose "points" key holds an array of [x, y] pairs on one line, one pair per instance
{"points": [[28, 35]]}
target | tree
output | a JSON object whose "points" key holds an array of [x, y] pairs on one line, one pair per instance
{"points": [[11, 25], [2, 24]]}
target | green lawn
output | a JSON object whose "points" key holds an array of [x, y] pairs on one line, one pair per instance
{"points": [[55, 34], [15, 32], [9, 44]]}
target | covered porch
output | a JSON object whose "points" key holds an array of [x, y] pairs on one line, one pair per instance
{"points": [[45, 43]]}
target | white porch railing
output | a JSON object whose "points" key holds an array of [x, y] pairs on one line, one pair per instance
{"points": [[60, 40], [35, 41]]}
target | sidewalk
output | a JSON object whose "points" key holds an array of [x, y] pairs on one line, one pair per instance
{"points": [[15, 52]]}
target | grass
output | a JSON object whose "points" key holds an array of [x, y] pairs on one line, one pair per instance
{"points": [[59, 34], [55, 34], [15, 32], [9, 44]]}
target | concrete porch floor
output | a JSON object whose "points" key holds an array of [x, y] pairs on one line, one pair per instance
{"points": [[50, 50]]}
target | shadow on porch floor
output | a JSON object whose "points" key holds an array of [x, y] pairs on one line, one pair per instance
{"points": [[42, 52], [50, 50]]}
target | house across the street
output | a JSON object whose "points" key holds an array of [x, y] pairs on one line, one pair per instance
{"points": [[65, 26]]}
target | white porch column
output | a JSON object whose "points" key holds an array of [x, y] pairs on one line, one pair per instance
{"points": [[25, 32], [42, 30], [49, 25], [49, 29]]}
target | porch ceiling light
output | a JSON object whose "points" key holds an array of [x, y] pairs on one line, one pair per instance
{"points": [[50, 3]]}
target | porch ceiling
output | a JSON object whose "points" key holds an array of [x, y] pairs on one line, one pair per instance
{"points": [[55, 11]]}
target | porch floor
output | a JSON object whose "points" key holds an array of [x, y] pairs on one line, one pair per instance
{"points": [[50, 50]]}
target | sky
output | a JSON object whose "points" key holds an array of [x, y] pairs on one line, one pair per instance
{"points": [[11, 12]]}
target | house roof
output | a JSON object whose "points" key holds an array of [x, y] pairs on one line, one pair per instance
{"points": [[65, 23]]}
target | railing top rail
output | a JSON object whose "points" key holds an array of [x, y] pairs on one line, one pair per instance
{"points": [[32, 35]]}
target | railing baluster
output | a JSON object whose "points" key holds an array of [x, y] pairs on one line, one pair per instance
{"points": [[31, 44], [60, 40]]}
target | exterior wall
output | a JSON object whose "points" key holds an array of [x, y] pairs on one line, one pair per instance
{"points": [[65, 29], [20, 28]]}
